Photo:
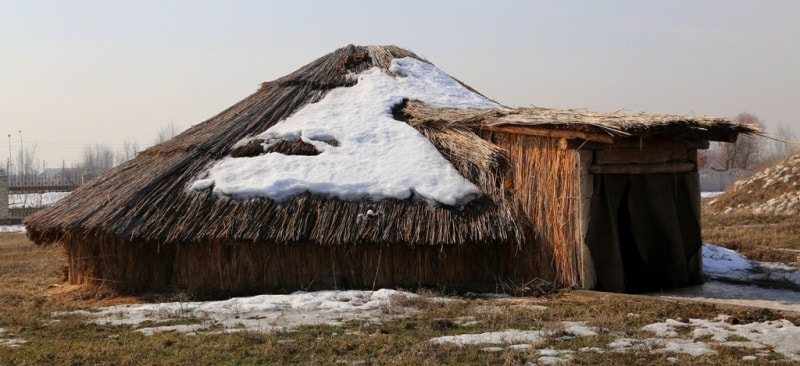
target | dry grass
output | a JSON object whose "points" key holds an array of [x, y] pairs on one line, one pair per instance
{"points": [[31, 288], [764, 238]]}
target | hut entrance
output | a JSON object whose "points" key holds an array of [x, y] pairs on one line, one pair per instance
{"points": [[644, 231]]}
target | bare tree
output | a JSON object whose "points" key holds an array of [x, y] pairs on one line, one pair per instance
{"points": [[167, 132], [784, 144], [26, 161], [746, 152], [97, 159], [129, 150]]}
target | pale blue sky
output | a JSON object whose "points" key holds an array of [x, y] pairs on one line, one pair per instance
{"points": [[82, 72]]}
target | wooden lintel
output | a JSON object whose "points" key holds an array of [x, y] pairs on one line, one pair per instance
{"points": [[647, 156], [642, 168], [645, 144], [551, 132]]}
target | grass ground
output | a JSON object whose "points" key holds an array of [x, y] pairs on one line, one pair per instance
{"points": [[764, 238], [32, 289]]}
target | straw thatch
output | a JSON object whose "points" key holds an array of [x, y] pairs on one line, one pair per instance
{"points": [[146, 199], [140, 224], [580, 123]]}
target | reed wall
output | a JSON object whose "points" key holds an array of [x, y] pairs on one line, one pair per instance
{"points": [[220, 269], [545, 178]]}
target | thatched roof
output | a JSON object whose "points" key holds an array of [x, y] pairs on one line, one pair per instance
{"points": [[573, 123], [147, 199]]}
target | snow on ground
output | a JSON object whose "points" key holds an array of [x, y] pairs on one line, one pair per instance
{"points": [[704, 195], [12, 229], [377, 156], [9, 342], [678, 338], [502, 337], [29, 200], [780, 335], [262, 313], [723, 266], [524, 341], [719, 261], [695, 337]]}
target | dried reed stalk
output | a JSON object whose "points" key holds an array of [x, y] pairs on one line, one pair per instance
{"points": [[546, 182]]}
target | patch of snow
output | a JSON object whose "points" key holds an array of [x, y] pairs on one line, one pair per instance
{"points": [[579, 329], [551, 356], [12, 229], [378, 157], [718, 261], [781, 335], [262, 313], [710, 194], [661, 345], [741, 344], [521, 347], [666, 329], [721, 264], [501, 337], [30, 200], [777, 272], [10, 342]]}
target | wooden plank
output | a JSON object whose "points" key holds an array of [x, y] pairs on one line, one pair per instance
{"points": [[643, 168], [635, 156], [691, 155], [588, 276], [653, 142], [551, 132]]}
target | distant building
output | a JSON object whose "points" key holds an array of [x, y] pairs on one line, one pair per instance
{"points": [[65, 176], [3, 195], [713, 180]]}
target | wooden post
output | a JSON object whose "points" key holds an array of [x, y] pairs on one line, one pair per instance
{"points": [[586, 268]]}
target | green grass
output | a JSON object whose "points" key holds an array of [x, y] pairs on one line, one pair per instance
{"points": [[29, 296]]}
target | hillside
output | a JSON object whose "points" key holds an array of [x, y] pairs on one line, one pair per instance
{"points": [[758, 216], [772, 191]]}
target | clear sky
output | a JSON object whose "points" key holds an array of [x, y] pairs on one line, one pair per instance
{"points": [[76, 72]]}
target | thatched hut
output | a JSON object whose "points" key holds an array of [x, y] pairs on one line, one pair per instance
{"points": [[602, 200]]}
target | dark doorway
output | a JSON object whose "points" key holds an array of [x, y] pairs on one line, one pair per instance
{"points": [[644, 231]]}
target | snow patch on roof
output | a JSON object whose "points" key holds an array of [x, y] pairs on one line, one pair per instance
{"points": [[377, 157]]}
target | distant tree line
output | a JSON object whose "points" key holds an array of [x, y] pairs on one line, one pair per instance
{"points": [[99, 158], [751, 152], [95, 159]]}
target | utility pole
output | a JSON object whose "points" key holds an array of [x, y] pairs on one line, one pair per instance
{"points": [[9, 155]]}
